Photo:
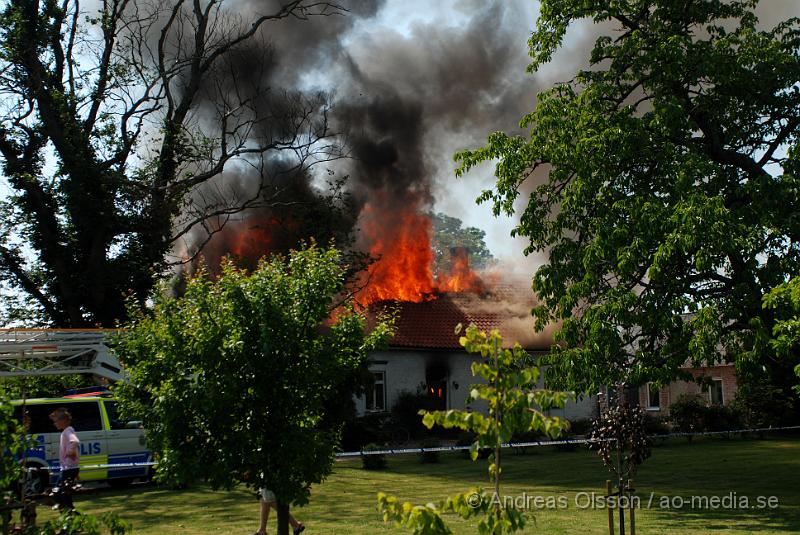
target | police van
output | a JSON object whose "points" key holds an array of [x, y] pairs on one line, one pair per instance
{"points": [[106, 440]]}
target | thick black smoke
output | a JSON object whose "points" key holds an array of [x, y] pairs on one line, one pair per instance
{"points": [[404, 97], [402, 101]]}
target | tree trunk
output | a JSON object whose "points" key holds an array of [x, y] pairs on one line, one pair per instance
{"points": [[283, 519]]}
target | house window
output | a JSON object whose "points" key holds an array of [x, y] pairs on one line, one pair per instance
{"points": [[715, 395], [376, 396], [653, 397]]}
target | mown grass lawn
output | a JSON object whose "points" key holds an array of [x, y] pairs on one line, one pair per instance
{"points": [[345, 503]]}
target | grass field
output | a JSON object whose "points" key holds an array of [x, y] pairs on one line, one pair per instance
{"points": [[345, 503]]}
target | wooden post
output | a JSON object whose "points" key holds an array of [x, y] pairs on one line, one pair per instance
{"points": [[6, 512], [609, 489], [28, 513], [631, 490]]}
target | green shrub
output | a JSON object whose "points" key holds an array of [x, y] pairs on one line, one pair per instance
{"points": [[71, 522], [360, 431], [716, 418], [429, 456], [568, 434], [405, 412], [373, 462], [656, 425], [760, 404], [467, 439], [687, 414], [580, 427], [530, 436], [691, 414], [657, 428]]}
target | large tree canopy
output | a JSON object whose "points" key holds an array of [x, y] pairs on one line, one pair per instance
{"points": [[663, 185], [113, 121], [244, 379]]}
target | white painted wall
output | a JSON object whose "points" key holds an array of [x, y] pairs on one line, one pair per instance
{"points": [[405, 371]]}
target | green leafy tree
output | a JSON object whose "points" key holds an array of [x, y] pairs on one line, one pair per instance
{"points": [[43, 386], [11, 441], [784, 302], [116, 123], [663, 187], [449, 233], [242, 378], [514, 406]]}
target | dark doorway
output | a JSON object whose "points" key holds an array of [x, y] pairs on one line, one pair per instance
{"points": [[436, 376]]}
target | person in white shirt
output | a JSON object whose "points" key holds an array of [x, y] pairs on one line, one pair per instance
{"points": [[69, 454]]}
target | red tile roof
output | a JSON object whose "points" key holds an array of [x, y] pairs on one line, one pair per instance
{"points": [[431, 324]]}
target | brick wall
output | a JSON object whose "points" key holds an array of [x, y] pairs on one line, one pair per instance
{"points": [[673, 391]]}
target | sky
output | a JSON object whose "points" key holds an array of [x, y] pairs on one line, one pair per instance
{"points": [[462, 64], [456, 66], [415, 37]]}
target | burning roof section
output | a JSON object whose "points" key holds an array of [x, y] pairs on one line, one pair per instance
{"points": [[431, 324]]}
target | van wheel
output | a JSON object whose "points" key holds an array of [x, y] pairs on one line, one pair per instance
{"points": [[36, 481], [120, 483]]}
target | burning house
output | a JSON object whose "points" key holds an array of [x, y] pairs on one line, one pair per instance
{"points": [[425, 358], [404, 103]]}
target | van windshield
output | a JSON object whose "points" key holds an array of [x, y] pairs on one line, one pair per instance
{"points": [[114, 420]]}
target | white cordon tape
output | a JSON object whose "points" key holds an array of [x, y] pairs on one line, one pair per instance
{"points": [[536, 443], [94, 466], [556, 442]]}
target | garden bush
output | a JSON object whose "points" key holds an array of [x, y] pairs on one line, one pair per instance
{"points": [[466, 439], [568, 434], [530, 436], [657, 428], [656, 425], [373, 462], [358, 432], [580, 427], [687, 413], [405, 412], [691, 414], [717, 418], [429, 456], [760, 404]]}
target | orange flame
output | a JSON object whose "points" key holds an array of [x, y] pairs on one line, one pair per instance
{"points": [[400, 237], [461, 277], [253, 240], [246, 240], [402, 244]]}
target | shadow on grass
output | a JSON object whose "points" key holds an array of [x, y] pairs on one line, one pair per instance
{"points": [[704, 468], [747, 467], [149, 506]]}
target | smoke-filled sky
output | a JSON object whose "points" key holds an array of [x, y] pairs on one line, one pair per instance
{"points": [[412, 82], [415, 81]]}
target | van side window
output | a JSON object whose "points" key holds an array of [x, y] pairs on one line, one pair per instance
{"points": [[85, 416], [39, 416], [112, 411]]}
